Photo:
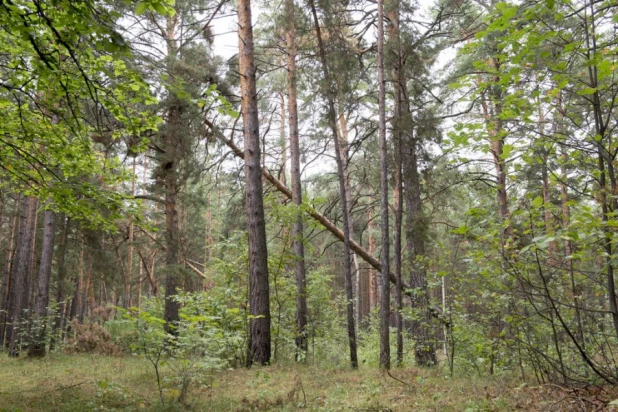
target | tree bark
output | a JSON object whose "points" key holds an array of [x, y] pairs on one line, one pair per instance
{"points": [[259, 303], [344, 154], [6, 283], [171, 160], [297, 193], [37, 348], [332, 119], [21, 269], [373, 285], [385, 298], [129, 269], [61, 286], [394, 47]]}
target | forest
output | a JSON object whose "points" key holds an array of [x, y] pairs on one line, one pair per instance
{"points": [[376, 205]]}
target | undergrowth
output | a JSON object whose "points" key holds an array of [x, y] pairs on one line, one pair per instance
{"points": [[96, 382]]}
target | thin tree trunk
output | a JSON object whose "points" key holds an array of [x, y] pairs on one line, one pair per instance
{"points": [[129, 270], [6, 283], [259, 304], [332, 118], [373, 284], [394, 47], [385, 301], [297, 193], [343, 149], [37, 348]]}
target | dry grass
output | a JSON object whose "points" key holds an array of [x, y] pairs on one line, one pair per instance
{"points": [[96, 382]]}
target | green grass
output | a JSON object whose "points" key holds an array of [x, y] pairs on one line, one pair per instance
{"points": [[95, 382]]}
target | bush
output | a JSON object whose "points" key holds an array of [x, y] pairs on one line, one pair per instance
{"points": [[91, 338]]}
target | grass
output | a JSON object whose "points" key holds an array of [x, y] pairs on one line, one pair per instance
{"points": [[96, 382]]}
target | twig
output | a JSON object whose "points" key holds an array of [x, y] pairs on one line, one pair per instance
{"points": [[397, 379]]}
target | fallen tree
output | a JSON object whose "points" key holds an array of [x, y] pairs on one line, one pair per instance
{"points": [[324, 221]]}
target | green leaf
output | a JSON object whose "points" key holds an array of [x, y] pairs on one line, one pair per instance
{"points": [[141, 8], [587, 91]]}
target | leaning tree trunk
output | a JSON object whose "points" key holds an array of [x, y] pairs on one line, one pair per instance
{"points": [[297, 193], [259, 304], [37, 347], [332, 120], [19, 294], [385, 351]]}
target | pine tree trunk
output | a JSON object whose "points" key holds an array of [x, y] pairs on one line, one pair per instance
{"points": [[259, 299], [129, 269], [21, 270], [297, 193], [385, 301], [37, 348], [373, 285], [6, 282], [170, 165], [343, 150], [61, 280], [332, 119], [394, 47]]}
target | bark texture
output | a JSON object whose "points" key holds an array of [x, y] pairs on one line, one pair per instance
{"points": [[297, 192], [385, 349], [18, 297], [259, 303], [37, 348]]}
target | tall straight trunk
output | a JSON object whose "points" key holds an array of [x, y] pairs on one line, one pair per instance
{"points": [[422, 326], [61, 281], [394, 48], [373, 285], [21, 269], [284, 148], [6, 282], [259, 303], [77, 292], [88, 279], [37, 347], [343, 150], [129, 271], [302, 343], [385, 301], [398, 215], [332, 120], [172, 232]]}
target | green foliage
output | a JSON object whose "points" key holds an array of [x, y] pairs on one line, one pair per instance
{"points": [[65, 86]]}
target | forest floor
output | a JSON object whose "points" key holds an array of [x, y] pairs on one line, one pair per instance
{"points": [[95, 382]]}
